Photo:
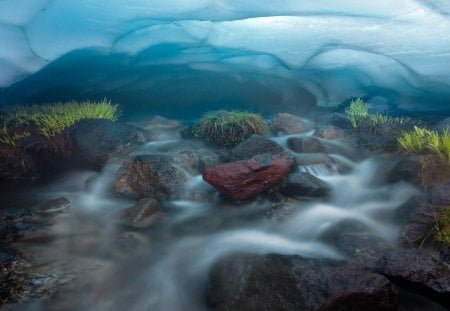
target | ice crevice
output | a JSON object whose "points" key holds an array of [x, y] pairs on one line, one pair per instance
{"points": [[301, 54]]}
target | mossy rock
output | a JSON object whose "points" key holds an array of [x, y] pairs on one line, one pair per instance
{"points": [[228, 128]]}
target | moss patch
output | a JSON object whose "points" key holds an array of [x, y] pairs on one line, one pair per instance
{"points": [[228, 128]]}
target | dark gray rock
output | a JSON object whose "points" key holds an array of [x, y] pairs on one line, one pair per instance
{"points": [[277, 282], [149, 175], [417, 270], [354, 240], [299, 184], [440, 194], [141, 215], [305, 145], [253, 146], [416, 218], [95, 140], [376, 143]]}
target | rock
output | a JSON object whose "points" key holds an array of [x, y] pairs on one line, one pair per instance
{"points": [[149, 175], [95, 140], [141, 215], [376, 143], [193, 156], [253, 146], [440, 194], [354, 240], [278, 282], [286, 123], [54, 206], [416, 270], [244, 180], [305, 145], [158, 122], [407, 169], [330, 132], [417, 219], [299, 184]]}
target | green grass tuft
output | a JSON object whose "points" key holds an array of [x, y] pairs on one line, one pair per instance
{"points": [[375, 123], [228, 128], [422, 141]]}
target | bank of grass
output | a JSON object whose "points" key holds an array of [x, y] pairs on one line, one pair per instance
{"points": [[228, 128], [364, 121], [50, 120]]}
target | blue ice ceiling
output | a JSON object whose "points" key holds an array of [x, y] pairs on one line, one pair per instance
{"points": [[169, 54]]}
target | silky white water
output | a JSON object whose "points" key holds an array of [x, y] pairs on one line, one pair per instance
{"points": [[166, 266]]}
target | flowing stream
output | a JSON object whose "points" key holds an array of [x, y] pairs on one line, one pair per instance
{"points": [[102, 265]]}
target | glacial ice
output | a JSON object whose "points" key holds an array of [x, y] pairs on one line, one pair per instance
{"points": [[293, 53]]}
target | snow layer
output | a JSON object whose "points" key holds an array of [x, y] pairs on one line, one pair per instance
{"points": [[330, 50]]}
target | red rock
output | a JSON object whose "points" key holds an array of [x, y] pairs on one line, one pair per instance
{"points": [[244, 180]]}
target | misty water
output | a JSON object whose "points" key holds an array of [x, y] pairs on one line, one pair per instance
{"points": [[103, 265], [180, 59]]}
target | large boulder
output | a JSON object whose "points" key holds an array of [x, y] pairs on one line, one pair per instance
{"points": [[149, 175], [95, 140], [300, 184], [418, 270], [278, 282], [286, 123], [244, 180], [253, 146]]}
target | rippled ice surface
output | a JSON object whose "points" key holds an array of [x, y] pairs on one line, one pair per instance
{"points": [[166, 267]]}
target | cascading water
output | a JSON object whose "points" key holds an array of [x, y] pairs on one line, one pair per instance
{"points": [[166, 267]]}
